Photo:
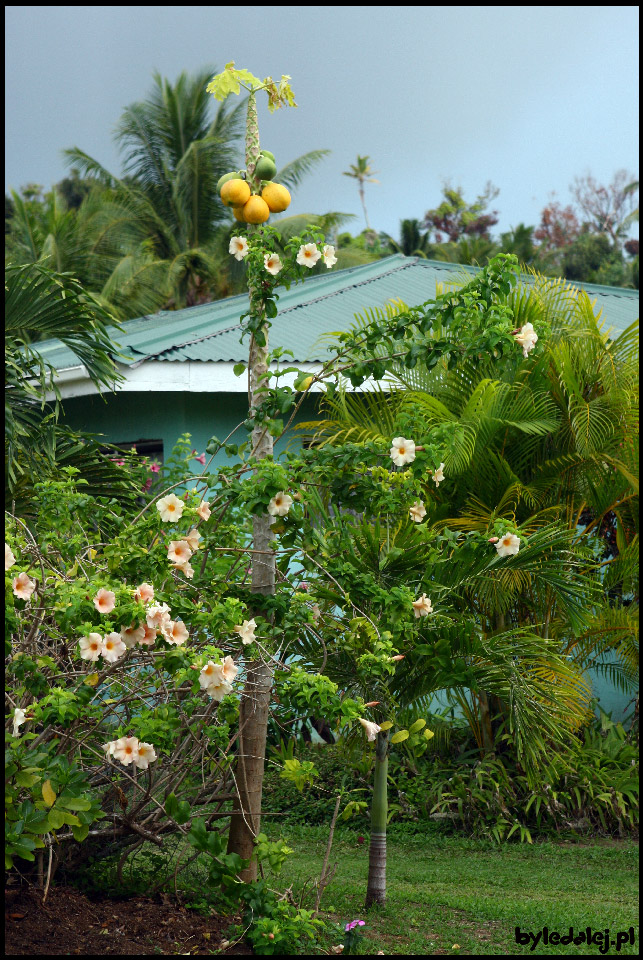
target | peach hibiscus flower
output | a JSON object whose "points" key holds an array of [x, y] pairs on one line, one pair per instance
{"points": [[23, 587], [105, 600]]}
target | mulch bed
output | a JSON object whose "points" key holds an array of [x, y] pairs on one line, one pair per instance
{"points": [[70, 923]]}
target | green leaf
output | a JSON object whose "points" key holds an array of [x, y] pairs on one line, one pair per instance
{"points": [[238, 369], [80, 833], [400, 736], [417, 725], [56, 819], [386, 725]]}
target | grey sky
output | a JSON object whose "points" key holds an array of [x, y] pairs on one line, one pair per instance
{"points": [[527, 97]]}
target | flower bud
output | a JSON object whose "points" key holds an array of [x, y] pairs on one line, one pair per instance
{"points": [[372, 703], [400, 656], [493, 539]]}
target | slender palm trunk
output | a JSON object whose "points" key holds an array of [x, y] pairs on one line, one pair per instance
{"points": [[361, 194], [376, 888], [255, 700]]}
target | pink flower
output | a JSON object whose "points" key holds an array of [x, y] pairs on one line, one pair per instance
{"points": [[149, 638], [179, 551], [144, 756], [113, 647], [126, 749], [212, 673], [23, 587], [132, 635], [91, 647], [144, 593], [204, 510], [186, 569], [9, 558], [200, 458], [230, 669], [105, 600], [155, 467], [192, 539], [157, 615], [175, 632], [170, 508]]}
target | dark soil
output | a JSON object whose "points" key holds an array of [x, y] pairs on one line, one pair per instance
{"points": [[70, 923]]}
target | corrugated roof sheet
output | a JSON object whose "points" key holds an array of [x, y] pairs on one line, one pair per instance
{"points": [[322, 304]]}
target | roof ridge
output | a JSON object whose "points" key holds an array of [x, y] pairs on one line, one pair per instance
{"points": [[298, 306]]}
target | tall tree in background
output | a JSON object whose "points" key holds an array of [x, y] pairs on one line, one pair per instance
{"points": [[607, 209], [457, 219], [361, 171]]}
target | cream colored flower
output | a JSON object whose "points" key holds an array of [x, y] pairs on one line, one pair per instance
{"points": [[238, 247], [175, 632], [91, 647], [179, 551], [109, 748], [186, 569], [329, 256], [316, 612], [508, 545], [192, 539], [157, 615], [145, 755], [126, 749], [113, 647], [417, 511], [132, 635], [372, 729], [402, 451], [230, 669], [144, 593], [204, 510], [218, 689], [527, 338], [105, 600], [438, 476], [246, 631], [422, 606], [280, 505], [211, 673], [23, 587], [19, 717], [308, 255], [170, 508], [9, 558], [272, 263]]}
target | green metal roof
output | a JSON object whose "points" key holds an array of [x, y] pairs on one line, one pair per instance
{"points": [[322, 304]]}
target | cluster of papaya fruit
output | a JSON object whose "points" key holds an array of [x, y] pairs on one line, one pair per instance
{"points": [[236, 191]]}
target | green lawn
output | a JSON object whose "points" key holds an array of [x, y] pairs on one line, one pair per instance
{"points": [[443, 891]]}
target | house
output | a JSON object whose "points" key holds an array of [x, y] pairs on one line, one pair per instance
{"points": [[178, 366]]}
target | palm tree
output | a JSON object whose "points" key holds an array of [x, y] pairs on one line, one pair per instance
{"points": [[412, 242], [361, 171], [456, 652], [549, 439], [165, 207], [39, 304]]}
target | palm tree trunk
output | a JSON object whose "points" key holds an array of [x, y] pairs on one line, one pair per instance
{"points": [[376, 887], [255, 701], [361, 194]]}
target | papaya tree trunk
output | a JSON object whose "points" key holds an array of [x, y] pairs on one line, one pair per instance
{"points": [[376, 888], [255, 700]]}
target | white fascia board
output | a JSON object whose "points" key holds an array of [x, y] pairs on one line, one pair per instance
{"points": [[157, 376]]}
